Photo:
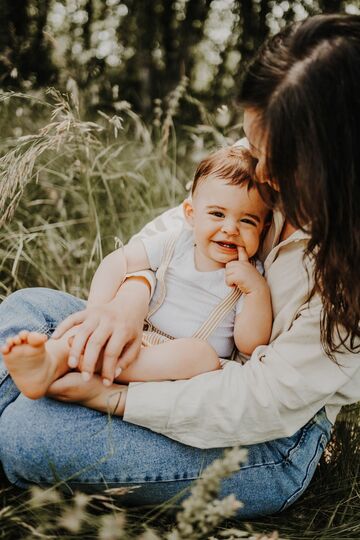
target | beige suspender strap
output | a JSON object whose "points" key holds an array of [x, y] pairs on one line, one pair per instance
{"points": [[154, 336], [160, 274], [218, 314]]}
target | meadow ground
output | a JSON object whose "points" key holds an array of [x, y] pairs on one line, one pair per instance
{"points": [[70, 191]]}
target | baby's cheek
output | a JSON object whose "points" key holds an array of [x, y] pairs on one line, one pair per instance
{"points": [[253, 244]]}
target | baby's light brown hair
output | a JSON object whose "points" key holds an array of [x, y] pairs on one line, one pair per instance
{"points": [[232, 163]]}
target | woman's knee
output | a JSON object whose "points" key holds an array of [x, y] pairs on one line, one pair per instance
{"points": [[20, 296], [29, 297], [39, 306]]}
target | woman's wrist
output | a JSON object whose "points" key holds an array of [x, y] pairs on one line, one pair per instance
{"points": [[111, 400]]}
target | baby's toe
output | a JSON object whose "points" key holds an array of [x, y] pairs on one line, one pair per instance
{"points": [[35, 339], [5, 349], [16, 340], [23, 335], [10, 343]]}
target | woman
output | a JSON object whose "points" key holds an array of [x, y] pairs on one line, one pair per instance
{"points": [[302, 118]]}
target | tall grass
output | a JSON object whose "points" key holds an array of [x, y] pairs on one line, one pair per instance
{"points": [[69, 188], [73, 187]]}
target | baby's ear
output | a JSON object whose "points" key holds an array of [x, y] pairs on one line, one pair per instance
{"points": [[188, 212]]}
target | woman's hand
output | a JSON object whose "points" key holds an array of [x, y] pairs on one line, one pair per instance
{"points": [[113, 330], [92, 394]]}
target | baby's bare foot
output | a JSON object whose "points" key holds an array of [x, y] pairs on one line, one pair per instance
{"points": [[29, 364]]}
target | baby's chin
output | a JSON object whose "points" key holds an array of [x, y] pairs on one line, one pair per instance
{"points": [[226, 259]]}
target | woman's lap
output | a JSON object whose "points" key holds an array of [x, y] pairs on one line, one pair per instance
{"points": [[46, 442]]}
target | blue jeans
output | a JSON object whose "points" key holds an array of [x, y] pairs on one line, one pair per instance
{"points": [[46, 442]]}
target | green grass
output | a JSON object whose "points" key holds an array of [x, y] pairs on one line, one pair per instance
{"points": [[69, 190]]}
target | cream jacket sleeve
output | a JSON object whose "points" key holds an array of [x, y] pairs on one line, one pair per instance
{"points": [[272, 395]]}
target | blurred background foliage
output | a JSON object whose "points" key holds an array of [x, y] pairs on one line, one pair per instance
{"points": [[139, 50], [145, 88]]}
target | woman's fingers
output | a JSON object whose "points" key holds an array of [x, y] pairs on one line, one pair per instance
{"points": [[72, 388], [79, 342], [67, 387], [69, 322], [130, 353], [119, 352], [93, 348], [113, 350]]}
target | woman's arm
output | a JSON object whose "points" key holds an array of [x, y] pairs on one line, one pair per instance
{"points": [[273, 395]]}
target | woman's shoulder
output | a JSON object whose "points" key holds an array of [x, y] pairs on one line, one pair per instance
{"points": [[167, 221]]}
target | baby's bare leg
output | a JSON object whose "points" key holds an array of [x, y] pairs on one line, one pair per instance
{"points": [[178, 359], [34, 362]]}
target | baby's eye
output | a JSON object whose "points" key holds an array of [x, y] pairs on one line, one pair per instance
{"points": [[248, 221], [217, 214]]}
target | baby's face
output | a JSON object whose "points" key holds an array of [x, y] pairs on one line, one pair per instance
{"points": [[224, 217]]}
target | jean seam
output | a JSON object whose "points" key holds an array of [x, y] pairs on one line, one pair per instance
{"points": [[281, 462], [320, 444], [269, 464], [322, 440], [136, 482], [290, 454], [4, 375]]}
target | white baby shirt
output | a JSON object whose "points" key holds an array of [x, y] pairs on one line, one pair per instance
{"points": [[191, 295]]}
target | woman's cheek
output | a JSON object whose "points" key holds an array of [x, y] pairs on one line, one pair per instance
{"points": [[263, 176], [261, 172]]}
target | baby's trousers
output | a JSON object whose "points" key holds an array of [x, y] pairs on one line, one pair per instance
{"points": [[47, 442]]}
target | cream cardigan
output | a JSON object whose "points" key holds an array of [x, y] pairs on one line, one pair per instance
{"points": [[278, 390]]}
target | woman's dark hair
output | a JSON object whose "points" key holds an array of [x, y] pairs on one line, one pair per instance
{"points": [[305, 86]]}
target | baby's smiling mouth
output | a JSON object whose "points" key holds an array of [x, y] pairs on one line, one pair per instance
{"points": [[226, 245]]}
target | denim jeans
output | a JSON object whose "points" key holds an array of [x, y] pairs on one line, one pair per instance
{"points": [[46, 442]]}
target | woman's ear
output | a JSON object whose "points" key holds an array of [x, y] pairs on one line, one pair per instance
{"points": [[188, 212]]}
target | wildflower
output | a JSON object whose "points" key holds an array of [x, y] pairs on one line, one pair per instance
{"points": [[202, 511], [41, 497], [112, 527]]}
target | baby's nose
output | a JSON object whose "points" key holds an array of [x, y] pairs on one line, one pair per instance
{"points": [[230, 227]]}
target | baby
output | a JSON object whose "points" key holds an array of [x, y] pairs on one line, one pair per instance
{"points": [[210, 296]]}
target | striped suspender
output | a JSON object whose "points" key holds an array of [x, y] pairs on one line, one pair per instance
{"points": [[218, 314], [160, 274]]}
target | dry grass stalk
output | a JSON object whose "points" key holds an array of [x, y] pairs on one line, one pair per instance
{"points": [[202, 512]]}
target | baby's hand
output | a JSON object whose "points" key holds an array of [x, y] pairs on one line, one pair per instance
{"points": [[243, 274]]}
